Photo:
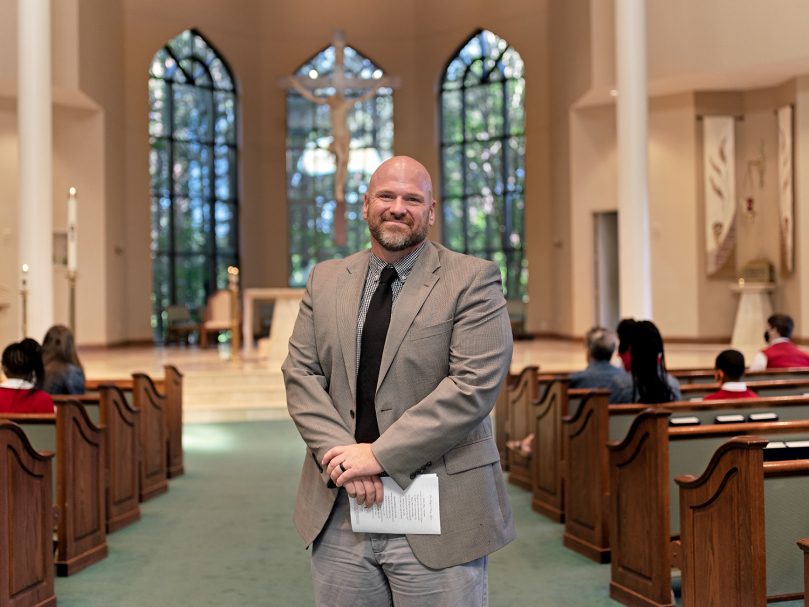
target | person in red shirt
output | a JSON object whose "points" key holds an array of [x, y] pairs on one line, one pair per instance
{"points": [[729, 369], [781, 353], [24, 371]]}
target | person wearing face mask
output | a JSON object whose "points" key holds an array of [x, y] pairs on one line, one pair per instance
{"points": [[781, 352]]}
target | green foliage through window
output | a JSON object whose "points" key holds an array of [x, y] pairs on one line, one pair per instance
{"points": [[483, 156], [193, 167]]}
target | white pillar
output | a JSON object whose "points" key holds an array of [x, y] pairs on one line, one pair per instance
{"points": [[633, 179], [36, 148]]}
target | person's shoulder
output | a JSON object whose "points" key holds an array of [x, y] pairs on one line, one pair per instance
{"points": [[460, 261]]}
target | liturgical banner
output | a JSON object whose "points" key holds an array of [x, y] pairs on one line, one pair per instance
{"points": [[785, 196], [720, 191]]}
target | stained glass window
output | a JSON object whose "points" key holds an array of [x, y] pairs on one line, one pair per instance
{"points": [[193, 165], [311, 167], [483, 156]]}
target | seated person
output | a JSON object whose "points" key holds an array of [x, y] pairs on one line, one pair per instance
{"points": [[729, 369], [624, 331], [649, 382], [600, 344], [21, 391], [781, 353], [63, 371]]}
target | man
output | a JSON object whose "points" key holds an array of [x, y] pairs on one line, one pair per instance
{"points": [[729, 369], [444, 357], [781, 353], [600, 344]]}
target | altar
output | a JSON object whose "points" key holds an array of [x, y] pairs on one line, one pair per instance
{"points": [[285, 311]]}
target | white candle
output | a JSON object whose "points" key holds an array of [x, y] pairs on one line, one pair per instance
{"points": [[24, 276], [72, 231]]}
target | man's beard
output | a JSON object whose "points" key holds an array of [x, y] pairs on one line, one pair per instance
{"points": [[398, 241]]}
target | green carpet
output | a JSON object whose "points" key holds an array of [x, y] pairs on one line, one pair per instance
{"points": [[223, 536]]}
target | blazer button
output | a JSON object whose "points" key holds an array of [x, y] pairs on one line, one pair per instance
{"points": [[428, 464], [412, 476], [351, 413]]}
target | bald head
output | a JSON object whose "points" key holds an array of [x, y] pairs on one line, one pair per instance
{"points": [[402, 169], [399, 207]]}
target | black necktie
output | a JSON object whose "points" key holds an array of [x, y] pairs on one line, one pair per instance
{"points": [[374, 332]]}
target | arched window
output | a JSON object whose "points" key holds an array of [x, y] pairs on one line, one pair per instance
{"points": [[193, 165], [482, 156], [311, 166]]}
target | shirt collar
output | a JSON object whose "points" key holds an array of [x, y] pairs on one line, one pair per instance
{"points": [[734, 386], [402, 267], [17, 384], [779, 340]]}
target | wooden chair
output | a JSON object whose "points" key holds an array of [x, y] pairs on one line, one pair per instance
{"points": [[26, 521], [218, 316]]}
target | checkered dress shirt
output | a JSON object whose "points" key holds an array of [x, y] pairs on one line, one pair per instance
{"points": [[375, 267]]}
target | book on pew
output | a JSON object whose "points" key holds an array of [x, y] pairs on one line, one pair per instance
{"points": [[729, 419], [769, 416], [779, 451], [684, 420]]}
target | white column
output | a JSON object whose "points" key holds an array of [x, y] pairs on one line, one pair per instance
{"points": [[633, 179], [35, 132]]}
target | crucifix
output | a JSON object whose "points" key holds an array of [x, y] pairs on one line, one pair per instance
{"points": [[339, 105]]}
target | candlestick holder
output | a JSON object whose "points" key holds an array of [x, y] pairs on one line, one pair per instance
{"points": [[235, 329], [71, 301], [24, 298]]}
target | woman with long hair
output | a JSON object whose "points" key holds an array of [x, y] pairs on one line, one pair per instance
{"points": [[649, 381], [624, 331], [21, 392], [64, 373]]}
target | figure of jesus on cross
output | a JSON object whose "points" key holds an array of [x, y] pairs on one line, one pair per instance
{"points": [[339, 105]]}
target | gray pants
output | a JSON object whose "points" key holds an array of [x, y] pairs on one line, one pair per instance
{"points": [[378, 570]]}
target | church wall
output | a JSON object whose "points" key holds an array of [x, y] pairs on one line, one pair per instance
{"points": [[101, 64], [570, 76], [79, 161], [10, 280]]}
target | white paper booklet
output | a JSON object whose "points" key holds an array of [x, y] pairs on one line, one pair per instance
{"points": [[412, 511]]}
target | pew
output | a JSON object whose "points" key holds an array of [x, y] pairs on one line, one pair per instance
{"points": [[111, 409], [170, 389], [80, 484], [643, 518], [543, 471], [518, 399], [26, 522], [547, 415], [739, 521], [586, 467], [501, 420]]}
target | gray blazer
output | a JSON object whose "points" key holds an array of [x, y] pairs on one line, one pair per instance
{"points": [[446, 355]]}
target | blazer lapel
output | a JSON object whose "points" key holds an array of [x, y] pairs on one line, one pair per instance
{"points": [[348, 304], [417, 287]]}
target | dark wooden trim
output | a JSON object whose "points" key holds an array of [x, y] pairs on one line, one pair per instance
{"points": [[173, 389], [548, 480], [153, 469], [26, 521], [639, 513], [718, 565]]}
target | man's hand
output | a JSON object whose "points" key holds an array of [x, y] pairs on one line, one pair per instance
{"points": [[367, 490], [350, 462]]}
